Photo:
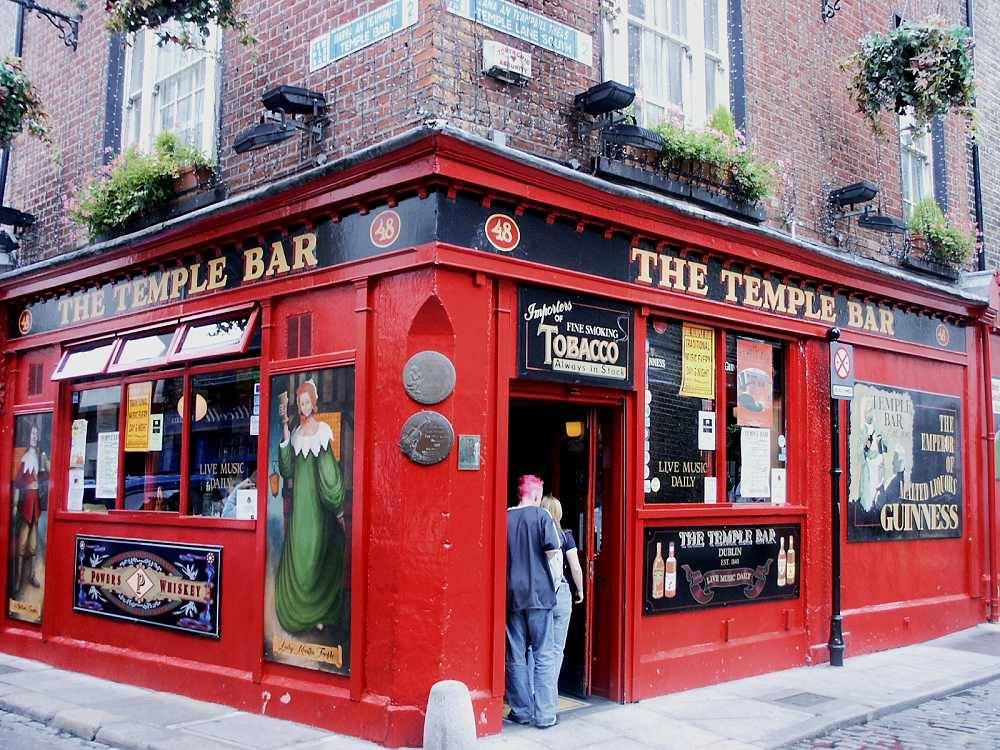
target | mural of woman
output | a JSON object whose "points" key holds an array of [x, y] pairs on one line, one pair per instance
{"points": [[32, 469], [309, 583]]}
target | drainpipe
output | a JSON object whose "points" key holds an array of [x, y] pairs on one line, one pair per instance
{"points": [[991, 474], [18, 51], [977, 186]]}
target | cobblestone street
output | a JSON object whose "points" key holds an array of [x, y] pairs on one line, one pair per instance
{"points": [[21, 733], [968, 719]]}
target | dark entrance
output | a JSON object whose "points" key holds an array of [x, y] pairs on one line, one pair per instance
{"points": [[567, 445]]}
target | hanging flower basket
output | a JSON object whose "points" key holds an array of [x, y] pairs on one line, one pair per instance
{"points": [[20, 109], [922, 70], [164, 18]]}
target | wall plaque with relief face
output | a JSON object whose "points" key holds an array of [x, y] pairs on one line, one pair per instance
{"points": [[429, 377], [427, 438]]}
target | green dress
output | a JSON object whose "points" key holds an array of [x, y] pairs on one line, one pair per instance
{"points": [[310, 580]]}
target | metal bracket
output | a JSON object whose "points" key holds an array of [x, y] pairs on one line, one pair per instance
{"points": [[829, 9], [68, 27]]}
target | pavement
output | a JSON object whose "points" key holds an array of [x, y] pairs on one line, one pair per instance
{"points": [[769, 711]]}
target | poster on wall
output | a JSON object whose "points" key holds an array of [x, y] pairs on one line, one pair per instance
{"points": [[140, 397], [166, 585], [712, 566], [754, 383], [698, 362], [905, 465], [307, 616], [29, 516]]}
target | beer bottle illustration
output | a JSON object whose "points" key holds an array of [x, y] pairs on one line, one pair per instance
{"points": [[782, 562], [790, 562], [670, 574], [658, 572]]}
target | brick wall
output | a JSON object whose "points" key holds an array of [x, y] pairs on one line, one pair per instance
{"points": [[798, 109], [987, 27]]}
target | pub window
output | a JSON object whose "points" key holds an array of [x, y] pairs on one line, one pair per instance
{"points": [[179, 440], [90, 359], [704, 446]]}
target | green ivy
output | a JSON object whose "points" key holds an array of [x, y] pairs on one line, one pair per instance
{"points": [[129, 16], [21, 110], [924, 70], [720, 149], [945, 243], [134, 184]]}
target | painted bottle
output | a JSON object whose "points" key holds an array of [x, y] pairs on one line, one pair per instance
{"points": [[782, 563], [658, 572], [790, 562], [670, 574]]}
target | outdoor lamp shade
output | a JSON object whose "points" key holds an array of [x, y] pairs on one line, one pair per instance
{"points": [[261, 135], [633, 135], [882, 223], [604, 97], [858, 192], [13, 217], [293, 100]]}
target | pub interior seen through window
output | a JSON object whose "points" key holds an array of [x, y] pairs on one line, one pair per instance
{"points": [[130, 433], [707, 447]]}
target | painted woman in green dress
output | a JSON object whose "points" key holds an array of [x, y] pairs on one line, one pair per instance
{"points": [[310, 581]]}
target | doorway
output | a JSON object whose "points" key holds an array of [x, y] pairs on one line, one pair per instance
{"points": [[573, 448]]}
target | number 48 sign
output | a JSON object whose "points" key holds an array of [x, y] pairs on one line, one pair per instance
{"points": [[502, 232]]}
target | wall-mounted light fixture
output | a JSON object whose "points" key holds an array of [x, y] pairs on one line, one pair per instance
{"points": [[863, 192], [604, 103], [290, 109]]}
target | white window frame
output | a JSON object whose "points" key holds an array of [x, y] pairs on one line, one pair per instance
{"points": [[915, 148], [148, 92], [616, 54]]}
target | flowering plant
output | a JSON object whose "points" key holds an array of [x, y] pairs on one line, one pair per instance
{"points": [[129, 16], [20, 108], [721, 152], [924, 70], [135, 183]]}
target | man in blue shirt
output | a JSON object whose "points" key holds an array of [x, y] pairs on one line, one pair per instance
{"points": [[531, 537]]}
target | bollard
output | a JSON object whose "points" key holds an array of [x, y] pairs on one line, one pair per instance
{"points": [[450, 723]]}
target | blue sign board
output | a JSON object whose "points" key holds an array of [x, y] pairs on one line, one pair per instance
{"points": [[531, 27], [372, 27]]}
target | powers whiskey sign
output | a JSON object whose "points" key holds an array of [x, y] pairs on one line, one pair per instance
{"points": [[574, 339], [173, 586]]}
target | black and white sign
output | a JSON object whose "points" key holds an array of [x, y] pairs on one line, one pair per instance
{"points": [[574, 339]]}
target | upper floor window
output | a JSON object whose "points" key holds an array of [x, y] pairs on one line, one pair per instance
{"points": [[916, 163], [168, 87], [674, 53]]}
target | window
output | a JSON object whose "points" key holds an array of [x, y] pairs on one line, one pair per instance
{"points": [[704, 446], [170, 88], [141, 430], [86, 360], [916, 162], [674, 53], [141, 350], [212, 338]]}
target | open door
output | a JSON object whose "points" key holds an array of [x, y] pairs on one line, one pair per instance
{"points": [[567, 444]]}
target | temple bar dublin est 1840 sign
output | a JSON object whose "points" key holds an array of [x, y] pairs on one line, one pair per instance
{"points": [[573, 338], [905, 465], [711, 566], [173, 586]]}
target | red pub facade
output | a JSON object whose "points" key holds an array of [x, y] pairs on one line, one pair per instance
{"points": [[260, 453], [666, 374]]}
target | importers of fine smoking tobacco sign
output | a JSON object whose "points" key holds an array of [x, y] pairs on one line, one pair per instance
{"points": [[574, 339]]}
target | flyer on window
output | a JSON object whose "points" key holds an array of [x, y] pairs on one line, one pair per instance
{"points": [[106, 480], [755, 462], [754, 383]]}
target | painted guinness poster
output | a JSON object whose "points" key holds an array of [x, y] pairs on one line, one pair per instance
{"points": [[169, 585], [574, 339], [905, 465], [714, 566]]}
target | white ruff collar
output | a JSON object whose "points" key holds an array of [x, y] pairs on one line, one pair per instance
{"points": [[29, 461], [303, 444]]}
